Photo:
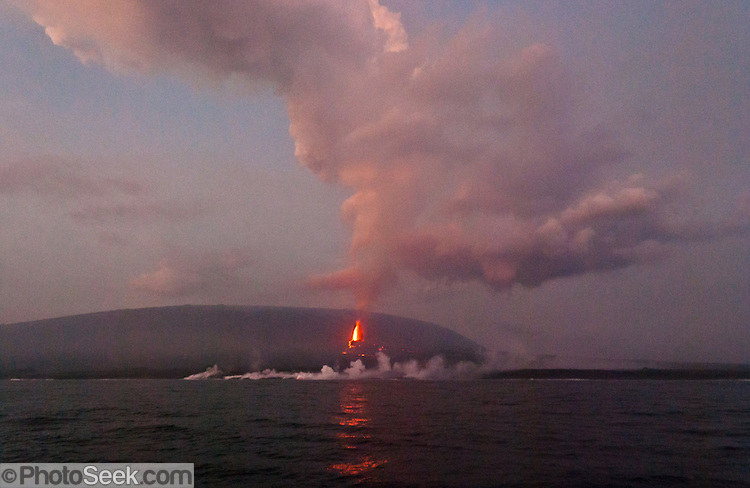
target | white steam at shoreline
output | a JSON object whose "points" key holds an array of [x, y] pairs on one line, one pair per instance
{"points": [[434, 369]]}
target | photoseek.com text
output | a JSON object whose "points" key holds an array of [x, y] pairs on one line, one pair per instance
{"points": [[180, 475]]}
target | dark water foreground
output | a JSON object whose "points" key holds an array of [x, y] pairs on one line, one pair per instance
{"points": [[392, 433]]}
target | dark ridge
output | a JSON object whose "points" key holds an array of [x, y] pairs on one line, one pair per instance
{"points": [[729, 373], [173, 342]]}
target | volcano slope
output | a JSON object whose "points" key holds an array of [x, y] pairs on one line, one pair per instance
{"points": [[172, 342]]}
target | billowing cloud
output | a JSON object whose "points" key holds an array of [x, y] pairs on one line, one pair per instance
{"points": [[187, 273], [466, 162], [268, 40]]}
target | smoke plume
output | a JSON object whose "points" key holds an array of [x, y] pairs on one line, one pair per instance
{"points": [[466, 163]]}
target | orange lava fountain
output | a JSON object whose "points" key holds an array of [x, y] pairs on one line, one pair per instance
{"points": [[356, 334]]}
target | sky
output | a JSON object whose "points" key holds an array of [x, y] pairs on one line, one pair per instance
{"points": [[546, 178]]}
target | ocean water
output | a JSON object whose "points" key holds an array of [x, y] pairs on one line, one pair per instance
{"points": [[276, 432]]}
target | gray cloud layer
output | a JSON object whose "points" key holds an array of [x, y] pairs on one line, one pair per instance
{"points": [[96, 199], [62, 180]]}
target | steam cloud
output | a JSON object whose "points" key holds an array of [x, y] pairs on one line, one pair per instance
{"points": [[434, 369], [464, 164]]}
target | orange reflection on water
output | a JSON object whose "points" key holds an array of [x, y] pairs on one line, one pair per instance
{"points": [[353, 419], [363, 467]]}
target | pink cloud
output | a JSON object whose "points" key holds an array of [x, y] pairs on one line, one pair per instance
{"points": [[466, 161], [189, 273]]}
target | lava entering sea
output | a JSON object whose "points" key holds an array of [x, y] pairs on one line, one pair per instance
{"points": [[359, 350]]}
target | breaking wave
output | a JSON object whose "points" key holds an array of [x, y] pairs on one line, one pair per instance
{"points": [[434, 369]]}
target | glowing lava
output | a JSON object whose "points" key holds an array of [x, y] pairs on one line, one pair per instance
{"points": [[356, 335], [359, 351]]}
